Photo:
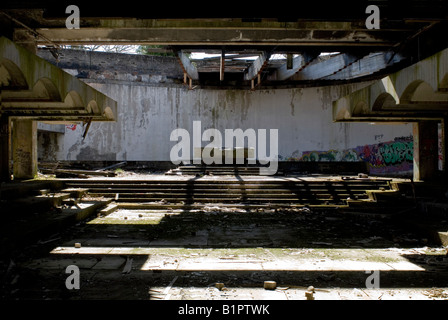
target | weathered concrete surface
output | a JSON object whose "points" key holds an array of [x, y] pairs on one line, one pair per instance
{"points": [[425, 150], [148, 115], [24, 148], [152, 104], [122, 67], [416, 92], [183, 256], [34, 88]]}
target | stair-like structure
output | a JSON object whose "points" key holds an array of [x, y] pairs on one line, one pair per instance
{"points": [[281, 191], [218, 170], [52, 205], [381, 203], [36, 209]]}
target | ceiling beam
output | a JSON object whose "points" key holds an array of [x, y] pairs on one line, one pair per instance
{"points": [[321, 69], [299, 63], [367, 65], [257, 66], [211, 36], [187, 66]]}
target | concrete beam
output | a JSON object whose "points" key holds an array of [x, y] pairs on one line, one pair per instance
{"points": [[212, 36], [321, 69], [416, 92], [298, 63], [32, 86], [257, 66], [187, 66], [367, 65]]}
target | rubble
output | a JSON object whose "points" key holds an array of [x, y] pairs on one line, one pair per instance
{"points": [[436, 293], [270, 285]]}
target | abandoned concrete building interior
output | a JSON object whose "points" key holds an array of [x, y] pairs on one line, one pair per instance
{"points": [[253, 154]]}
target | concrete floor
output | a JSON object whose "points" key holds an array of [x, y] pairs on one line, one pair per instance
{"points": [[181, 255]]}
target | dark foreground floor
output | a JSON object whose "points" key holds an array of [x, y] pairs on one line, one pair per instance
{"points": [[182, 254]]}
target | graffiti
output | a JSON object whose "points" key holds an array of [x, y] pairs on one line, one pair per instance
{"points": [[397, 152], [332, 155], [71, 127], [385, 157]]}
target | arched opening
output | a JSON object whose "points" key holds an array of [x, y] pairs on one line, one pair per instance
{"points": [[360, 108], [383, 101], [92, 107], [417, 90], [343, 114], [443, 86], [73, 99], [45, 88], [108, 113], [11, 77]]}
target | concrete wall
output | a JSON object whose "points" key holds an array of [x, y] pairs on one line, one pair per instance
{"points": [[148, 112], [147, 115]]}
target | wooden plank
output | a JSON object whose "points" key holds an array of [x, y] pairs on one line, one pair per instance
{"points": [[222, 65]]}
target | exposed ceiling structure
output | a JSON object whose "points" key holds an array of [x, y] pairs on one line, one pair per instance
{"points": [[32, 88], [418, 92], [253, 45]]}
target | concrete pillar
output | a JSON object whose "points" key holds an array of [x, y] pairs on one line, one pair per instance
{"points": [[5, 147], [24, 137], [24, 148], [425, 150], [444, 146]]}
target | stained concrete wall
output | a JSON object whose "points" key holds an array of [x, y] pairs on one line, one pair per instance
{"points": [[147, 115], [149, 111]]}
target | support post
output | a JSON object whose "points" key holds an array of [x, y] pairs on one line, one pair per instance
{"points": [[24, 143], [289, 61], [444, 146], [5, 147], [222, 65], [425, 150]]}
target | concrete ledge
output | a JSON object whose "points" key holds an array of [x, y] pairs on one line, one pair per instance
{"points": [[111, 207], [21, 232], [443, 236]]}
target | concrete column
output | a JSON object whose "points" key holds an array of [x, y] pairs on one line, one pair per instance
{"points": [[5, 147], [24, 145], [425, 150], [444, 146]]}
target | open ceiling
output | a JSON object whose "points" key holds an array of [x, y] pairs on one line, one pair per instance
{"points": [[255, 44]]}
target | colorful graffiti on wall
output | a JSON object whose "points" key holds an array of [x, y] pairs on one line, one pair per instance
{"points": [[393, 157]]}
